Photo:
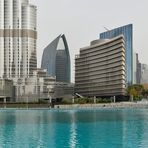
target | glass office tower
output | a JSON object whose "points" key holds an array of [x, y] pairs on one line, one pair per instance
{"points": [[127, 32], [56, 59]]}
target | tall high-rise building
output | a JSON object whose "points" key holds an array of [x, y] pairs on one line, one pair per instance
{"points": [[135, 68], [100, 68], [127, 32], [144, 73], [56, 59], [17, 38], [138, 70]]}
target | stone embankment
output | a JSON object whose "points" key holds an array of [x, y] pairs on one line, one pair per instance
{"points": [[104, 105], [120, 105]]}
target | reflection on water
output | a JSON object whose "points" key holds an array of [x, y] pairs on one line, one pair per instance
{"points": [[71, 128], [73, 132]]}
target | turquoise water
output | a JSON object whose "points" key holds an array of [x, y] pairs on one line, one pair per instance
{"points": [[125, 128]]}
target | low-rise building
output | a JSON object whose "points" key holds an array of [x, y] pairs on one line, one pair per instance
{"points": [[35, 88], [41, 87], [64, 90], [6, 90]]}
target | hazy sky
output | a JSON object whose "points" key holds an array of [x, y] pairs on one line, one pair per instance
{"points": [[82, 21]]}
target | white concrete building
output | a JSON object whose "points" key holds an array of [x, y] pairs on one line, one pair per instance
{"points": [[41, 86], [17, 38], [35, 88]]}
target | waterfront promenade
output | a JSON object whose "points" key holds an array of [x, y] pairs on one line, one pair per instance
{"points": [[140, 104]]}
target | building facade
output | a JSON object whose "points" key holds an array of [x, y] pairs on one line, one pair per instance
{"points": [[134, 69], [41, 87], [138, 70], [100, 68], [64, 90], [34, 88], [56, 59], [6, 90], [17, 38], [144, 73], [127, 32]]}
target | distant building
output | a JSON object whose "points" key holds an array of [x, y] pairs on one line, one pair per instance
{"points": [[144, 73], [56, 59], [100, 68], [17, 38], [127, 32], [134, 68], [138, 70]]}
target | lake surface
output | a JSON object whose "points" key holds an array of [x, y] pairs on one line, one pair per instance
{"points": [[102, 128]]}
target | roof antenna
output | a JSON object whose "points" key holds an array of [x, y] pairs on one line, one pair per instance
{"points": [[106, 28]]}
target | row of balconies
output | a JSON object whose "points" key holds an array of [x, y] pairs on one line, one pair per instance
{"points": [[105, 87], [98, 61], [101, 78], [105, 78], [95, 77], [103, 93], [120, 66], [99, 64], [93, 51], [101, 73], [101, 84], [98, 58], [107, 44], [107, 55]]}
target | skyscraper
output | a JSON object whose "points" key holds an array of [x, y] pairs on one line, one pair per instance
{"points": [[56, 59], [17, 38], [137, 69], [144, 74], [127, 32]]}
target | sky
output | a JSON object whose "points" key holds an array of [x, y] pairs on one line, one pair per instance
{"points": [[83, 20]]}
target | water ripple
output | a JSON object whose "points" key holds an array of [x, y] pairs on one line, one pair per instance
{"points": [[74, 129]]}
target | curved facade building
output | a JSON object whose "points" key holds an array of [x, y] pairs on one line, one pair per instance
{"points": [[17, 38], [100, 69], [56, 59]]}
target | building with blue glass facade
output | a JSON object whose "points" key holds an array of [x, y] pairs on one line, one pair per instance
{"points": [[56, 59], [127, 32]]}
